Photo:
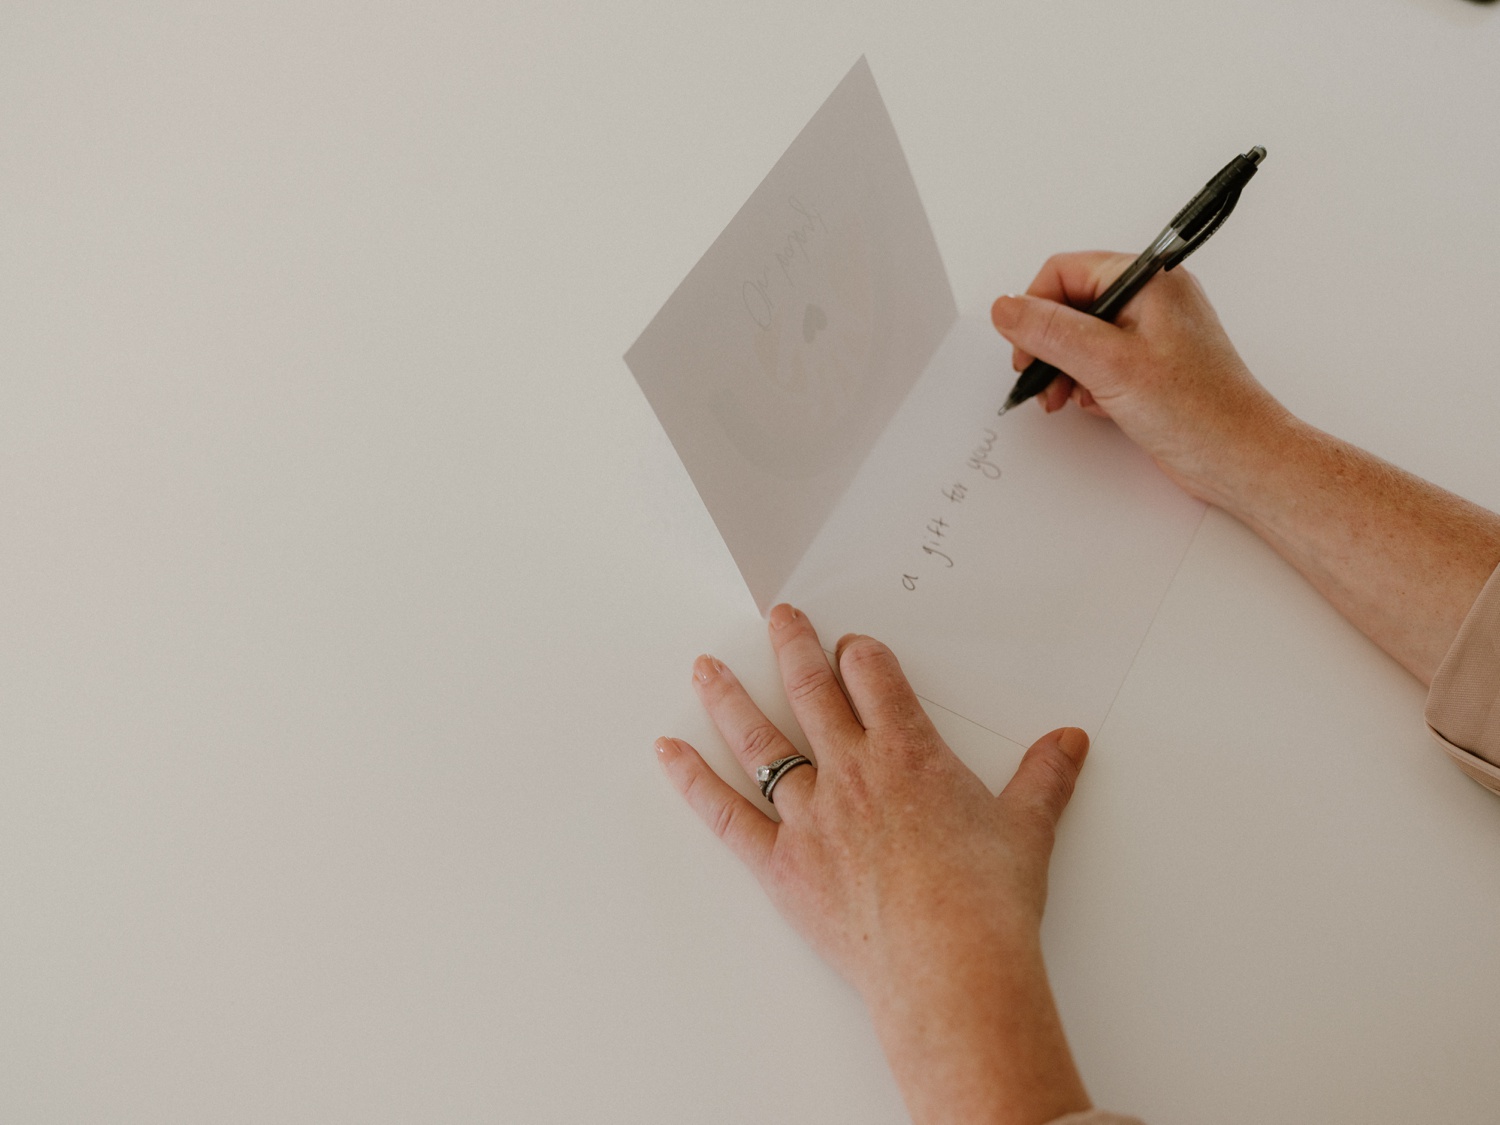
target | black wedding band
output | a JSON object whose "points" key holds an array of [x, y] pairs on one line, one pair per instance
{"points": [[769, 775]]}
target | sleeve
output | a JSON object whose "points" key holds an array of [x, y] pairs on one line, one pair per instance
{"points": [[1096, 1117], [1463, 705]]}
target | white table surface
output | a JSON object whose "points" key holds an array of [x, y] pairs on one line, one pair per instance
{"points": [[346, 577]]}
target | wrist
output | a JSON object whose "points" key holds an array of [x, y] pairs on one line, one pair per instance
{"points": [[1240, 456], [974, 1035]]}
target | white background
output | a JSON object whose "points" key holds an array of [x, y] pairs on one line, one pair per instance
{"points": [[346, 578]]}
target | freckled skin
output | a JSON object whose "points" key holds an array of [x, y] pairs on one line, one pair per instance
{"points": [[893, 860], [1401, 558]]}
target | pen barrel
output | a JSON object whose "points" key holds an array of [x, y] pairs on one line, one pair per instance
{"points": [[1208, 203], [1128, 284]]}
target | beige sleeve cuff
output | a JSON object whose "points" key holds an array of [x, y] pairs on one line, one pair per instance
{"points": [[1463, 705], [1096, 1117]]}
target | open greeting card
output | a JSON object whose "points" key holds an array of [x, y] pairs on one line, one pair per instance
{"points": [[839, 420]]}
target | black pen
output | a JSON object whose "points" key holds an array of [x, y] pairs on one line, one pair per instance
{"points": [[1184, 234]]}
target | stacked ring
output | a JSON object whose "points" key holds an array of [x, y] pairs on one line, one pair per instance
{"points": [[769, 775]]}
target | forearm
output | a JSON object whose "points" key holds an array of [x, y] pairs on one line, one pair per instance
{"points": [[979, 1040], [1401, 558]]}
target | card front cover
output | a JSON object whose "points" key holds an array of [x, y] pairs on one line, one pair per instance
{"points": [[779, 360]]}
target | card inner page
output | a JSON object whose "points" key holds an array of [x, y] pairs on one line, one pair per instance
{"points": [[1013, 563]]}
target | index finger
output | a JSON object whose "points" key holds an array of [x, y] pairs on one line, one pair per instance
{"points": [[1075, 279], [1078, 278]]}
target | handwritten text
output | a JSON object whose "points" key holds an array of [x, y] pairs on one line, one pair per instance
{"points": [[938, 539], [790, 251]]}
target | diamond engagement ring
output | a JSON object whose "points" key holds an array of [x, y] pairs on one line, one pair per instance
{"points": [[768, 776]]}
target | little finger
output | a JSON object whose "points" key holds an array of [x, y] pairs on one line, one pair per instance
{"points": [[749, 833]]}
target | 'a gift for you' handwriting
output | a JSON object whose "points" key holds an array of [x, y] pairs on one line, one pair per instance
{"points": [[937, 539], [784, 264]]}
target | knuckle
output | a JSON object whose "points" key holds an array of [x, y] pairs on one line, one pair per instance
{"points": [[693, 791], [761, 741], [1187, 279], [809, 683], [1106, 266], [1052, 330], [865, 652], [1059, 775], [912, 735], [912, 755], [721, 819]]}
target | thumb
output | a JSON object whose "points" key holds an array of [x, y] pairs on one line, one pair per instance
{"points": [[1083, 346], [1044, 780]]}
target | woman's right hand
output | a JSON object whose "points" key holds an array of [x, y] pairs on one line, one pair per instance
{"points": [[1164, 371]]}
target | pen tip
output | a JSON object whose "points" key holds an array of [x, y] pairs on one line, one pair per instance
{"points": [[1257, 154], [1002, 410]]}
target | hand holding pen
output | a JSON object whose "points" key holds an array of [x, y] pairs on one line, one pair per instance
{"points": [[1165, 372], [1189, 229]]}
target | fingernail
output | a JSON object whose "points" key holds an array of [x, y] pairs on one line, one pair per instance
{"points": [[782, 616], [1041, 400], [706, 668], [1005, 312], [666, 748]]}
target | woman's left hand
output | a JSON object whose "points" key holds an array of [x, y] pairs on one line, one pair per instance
{"points": [[897, 864]]}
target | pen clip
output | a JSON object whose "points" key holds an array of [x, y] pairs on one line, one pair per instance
{"points": [[1226, 205]]}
